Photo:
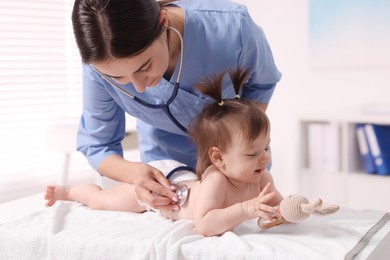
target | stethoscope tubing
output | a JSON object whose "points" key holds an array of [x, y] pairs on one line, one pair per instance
{"points": [[165, 106], [179, 168]]}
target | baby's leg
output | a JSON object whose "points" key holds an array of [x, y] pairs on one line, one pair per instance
{"points": [[119, 198]]}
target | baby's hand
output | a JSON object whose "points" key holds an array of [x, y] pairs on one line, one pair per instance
{"points": [[257, 207]]}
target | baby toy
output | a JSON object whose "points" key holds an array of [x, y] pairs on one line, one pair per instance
{"points": [[296, 208]]}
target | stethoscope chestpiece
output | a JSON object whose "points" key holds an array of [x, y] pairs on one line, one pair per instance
{"points": [[182, 192]]}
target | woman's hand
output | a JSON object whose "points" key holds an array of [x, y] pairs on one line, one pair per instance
{"points": [[150, 185], [257, 207], [153, 189]]}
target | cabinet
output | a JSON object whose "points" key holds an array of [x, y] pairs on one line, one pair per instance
{"points": [[341, 178]]}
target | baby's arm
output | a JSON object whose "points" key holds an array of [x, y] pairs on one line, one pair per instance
{"points": [[212, 219]]}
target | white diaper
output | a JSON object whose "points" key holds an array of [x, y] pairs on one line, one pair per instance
{"points": [[167, 166]]}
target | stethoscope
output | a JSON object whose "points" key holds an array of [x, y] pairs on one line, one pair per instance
{"points": [[164, 106], [182, 190]]}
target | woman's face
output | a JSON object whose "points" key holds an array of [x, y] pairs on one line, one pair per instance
{"points": [[143, 70]]}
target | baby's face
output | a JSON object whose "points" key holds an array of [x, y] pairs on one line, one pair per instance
{"points": [[246, 162]]}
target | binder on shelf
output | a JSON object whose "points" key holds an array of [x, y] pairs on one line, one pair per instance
{"points": [[323, 147], [378, 137], [332, 147], [364, 149], [315, 146]]}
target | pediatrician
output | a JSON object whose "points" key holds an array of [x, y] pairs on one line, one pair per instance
{"points": [[143, 58]]}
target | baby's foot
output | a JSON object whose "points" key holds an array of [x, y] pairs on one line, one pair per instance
{"points": [[54, 193]]}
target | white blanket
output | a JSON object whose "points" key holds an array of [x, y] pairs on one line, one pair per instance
{"points": [[70, 230]]}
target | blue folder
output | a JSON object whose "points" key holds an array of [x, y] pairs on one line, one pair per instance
{"points": [[378, 137], [364, 148]]}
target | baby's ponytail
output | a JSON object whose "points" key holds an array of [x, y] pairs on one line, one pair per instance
{"points": [[212, 86], [238, 77]]}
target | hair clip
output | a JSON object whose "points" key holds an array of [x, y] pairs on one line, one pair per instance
{"points": [[221, 103]]}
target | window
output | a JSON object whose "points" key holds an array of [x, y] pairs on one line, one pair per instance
{"points": [[40, 83]]}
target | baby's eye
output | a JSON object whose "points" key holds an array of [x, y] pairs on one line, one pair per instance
{"points": [[251, 154], [267, 148]]}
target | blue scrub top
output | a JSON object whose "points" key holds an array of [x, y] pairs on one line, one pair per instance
{"points": [[218, 35]]}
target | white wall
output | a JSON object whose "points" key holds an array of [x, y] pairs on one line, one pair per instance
{"points": [[302, 89]]}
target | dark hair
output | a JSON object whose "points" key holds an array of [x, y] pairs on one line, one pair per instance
{"points": [[213, 126], [115, 28]]}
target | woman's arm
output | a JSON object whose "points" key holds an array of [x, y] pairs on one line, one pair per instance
{"points": [[150, 184], [100, 133]]}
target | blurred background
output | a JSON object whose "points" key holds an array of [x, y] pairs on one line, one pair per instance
{"points": [[335, 61]]}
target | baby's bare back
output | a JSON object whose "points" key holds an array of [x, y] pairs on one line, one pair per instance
{"points": [[233, 195]]}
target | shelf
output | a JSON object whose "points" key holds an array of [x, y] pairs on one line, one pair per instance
{"points": [[340, 175]]}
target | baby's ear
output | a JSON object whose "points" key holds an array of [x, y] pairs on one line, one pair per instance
{"points": [[326, 210], [216, 157]]}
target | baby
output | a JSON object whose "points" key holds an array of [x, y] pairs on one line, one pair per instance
{"points": [[232, 137]]}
